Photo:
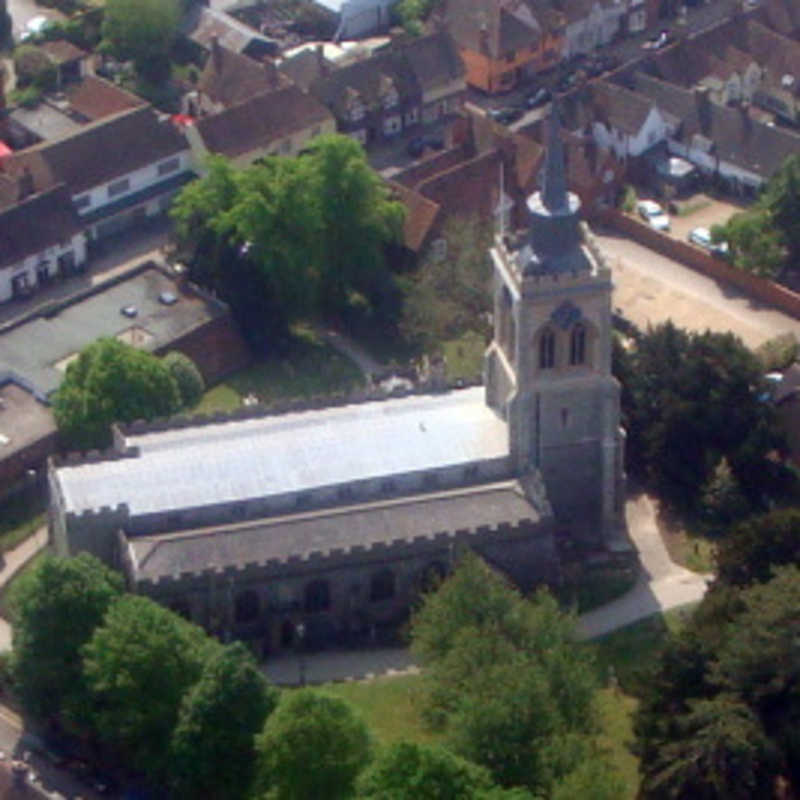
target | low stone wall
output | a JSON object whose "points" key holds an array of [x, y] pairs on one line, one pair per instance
{"points": [[759, 288]]}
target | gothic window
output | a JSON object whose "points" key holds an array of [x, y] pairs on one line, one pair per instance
{"points": [[577, 345], [318, 596], [547, 349], [247, 606], [381, 586]]}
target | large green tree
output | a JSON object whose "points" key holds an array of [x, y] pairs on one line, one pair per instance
{"points": [[213, 741], [54, 610], [288, 237], [143, 31], [111, 381], [313, 745], [693, 399], [411, 771], [138, 666], [508, 683]]}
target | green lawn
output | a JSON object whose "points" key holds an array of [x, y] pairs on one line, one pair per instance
{"points": [[464, 356], [310, 368]]}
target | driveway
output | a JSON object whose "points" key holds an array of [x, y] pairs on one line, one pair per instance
{"points": [[650, 289], [708, 212]]}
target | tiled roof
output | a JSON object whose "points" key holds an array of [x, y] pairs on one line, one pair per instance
{"points": [[471, 22], [94, 98], [36, 223], [100, 151], [365, 525], [434, 59], [421, 216], [230, 78], [305, 67], [258, 122], [624, 110], [777, 54], [61, 51]]}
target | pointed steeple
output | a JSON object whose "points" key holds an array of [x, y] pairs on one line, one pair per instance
{"points": [[554, 190]]}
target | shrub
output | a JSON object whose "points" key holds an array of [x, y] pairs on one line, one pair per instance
{"points": [[190, 382], [779, 352], [628, 200], [34, 68]]}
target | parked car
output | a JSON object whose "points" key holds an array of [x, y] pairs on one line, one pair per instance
{"points": [[658, 41], [655, 215], [702, 238], [505, 115], [539, 98]]}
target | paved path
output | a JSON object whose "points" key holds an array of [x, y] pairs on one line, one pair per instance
{"points": [[14, 561], [662, 585]]}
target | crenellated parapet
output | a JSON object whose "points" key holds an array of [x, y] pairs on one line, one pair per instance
{"points": [[76, 459], [381, 552]]}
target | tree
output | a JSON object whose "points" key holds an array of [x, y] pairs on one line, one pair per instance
{"points": [[507, 682], [33, 67], [188, 379], [592, 779], [693, 399], [54, 610], [756, 245], [722, 500], [752, 549], [143, 31], [312, 746], [111, 382], [138, 665], [213, 741], [410, 771], [781, 198], [721, 753]]}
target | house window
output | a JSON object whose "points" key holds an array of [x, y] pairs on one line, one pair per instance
{"points": [[547, 349], [577, 345], [82, 201], [412, 116], [165, 167], [391, 99], [43, 272], [119, 187], [392, 125]]}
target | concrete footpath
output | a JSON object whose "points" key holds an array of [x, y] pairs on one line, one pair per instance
{"points": [[662, 585]]}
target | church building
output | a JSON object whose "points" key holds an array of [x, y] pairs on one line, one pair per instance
{"points": [[328, 521]]}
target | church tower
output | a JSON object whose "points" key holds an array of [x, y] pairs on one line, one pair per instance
{"points": [[548, 368]]}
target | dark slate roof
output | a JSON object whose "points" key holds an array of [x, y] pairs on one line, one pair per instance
{"points": [[100, 152], [94, 98], [231, 78], [737, 137], [36, 223], [366, 78], [260, 121], [301, 535], [434, 60]]}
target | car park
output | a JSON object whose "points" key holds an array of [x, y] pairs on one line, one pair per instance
{"points": [[652, 212], [702, 238]]}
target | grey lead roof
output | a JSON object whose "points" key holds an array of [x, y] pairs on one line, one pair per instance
{"points": [[273, 455], [323, 531]]}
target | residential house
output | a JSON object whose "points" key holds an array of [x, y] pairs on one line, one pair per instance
{"points": [[41, 236], [282, 122], [621, 121], [722, 141], [70, 62], [118, 171], [357, 18], [395, 89], [204, 26], [230, 78], [94, 98], [590, 24], [500, 41]]}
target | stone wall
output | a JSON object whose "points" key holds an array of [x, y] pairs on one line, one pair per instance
{"points": [[760, 288]]}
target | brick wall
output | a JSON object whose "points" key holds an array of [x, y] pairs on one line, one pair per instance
{"points": [[760, 288]]}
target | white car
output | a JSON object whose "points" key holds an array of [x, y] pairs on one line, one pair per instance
{"points": [[654, 214], [702, 238]]}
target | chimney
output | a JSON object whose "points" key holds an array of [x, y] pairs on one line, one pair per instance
{"points": [[25, 184], [322, 64], [216, 53]]}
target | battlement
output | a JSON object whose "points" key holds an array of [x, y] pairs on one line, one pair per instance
{"points": [[76, 459], [98, 517], [281, 407], [379, 552]]}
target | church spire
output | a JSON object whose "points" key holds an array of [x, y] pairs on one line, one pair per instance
{"points": [[554, 190]]}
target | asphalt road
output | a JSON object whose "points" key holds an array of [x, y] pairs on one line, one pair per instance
{"points": [[650, 289]]}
